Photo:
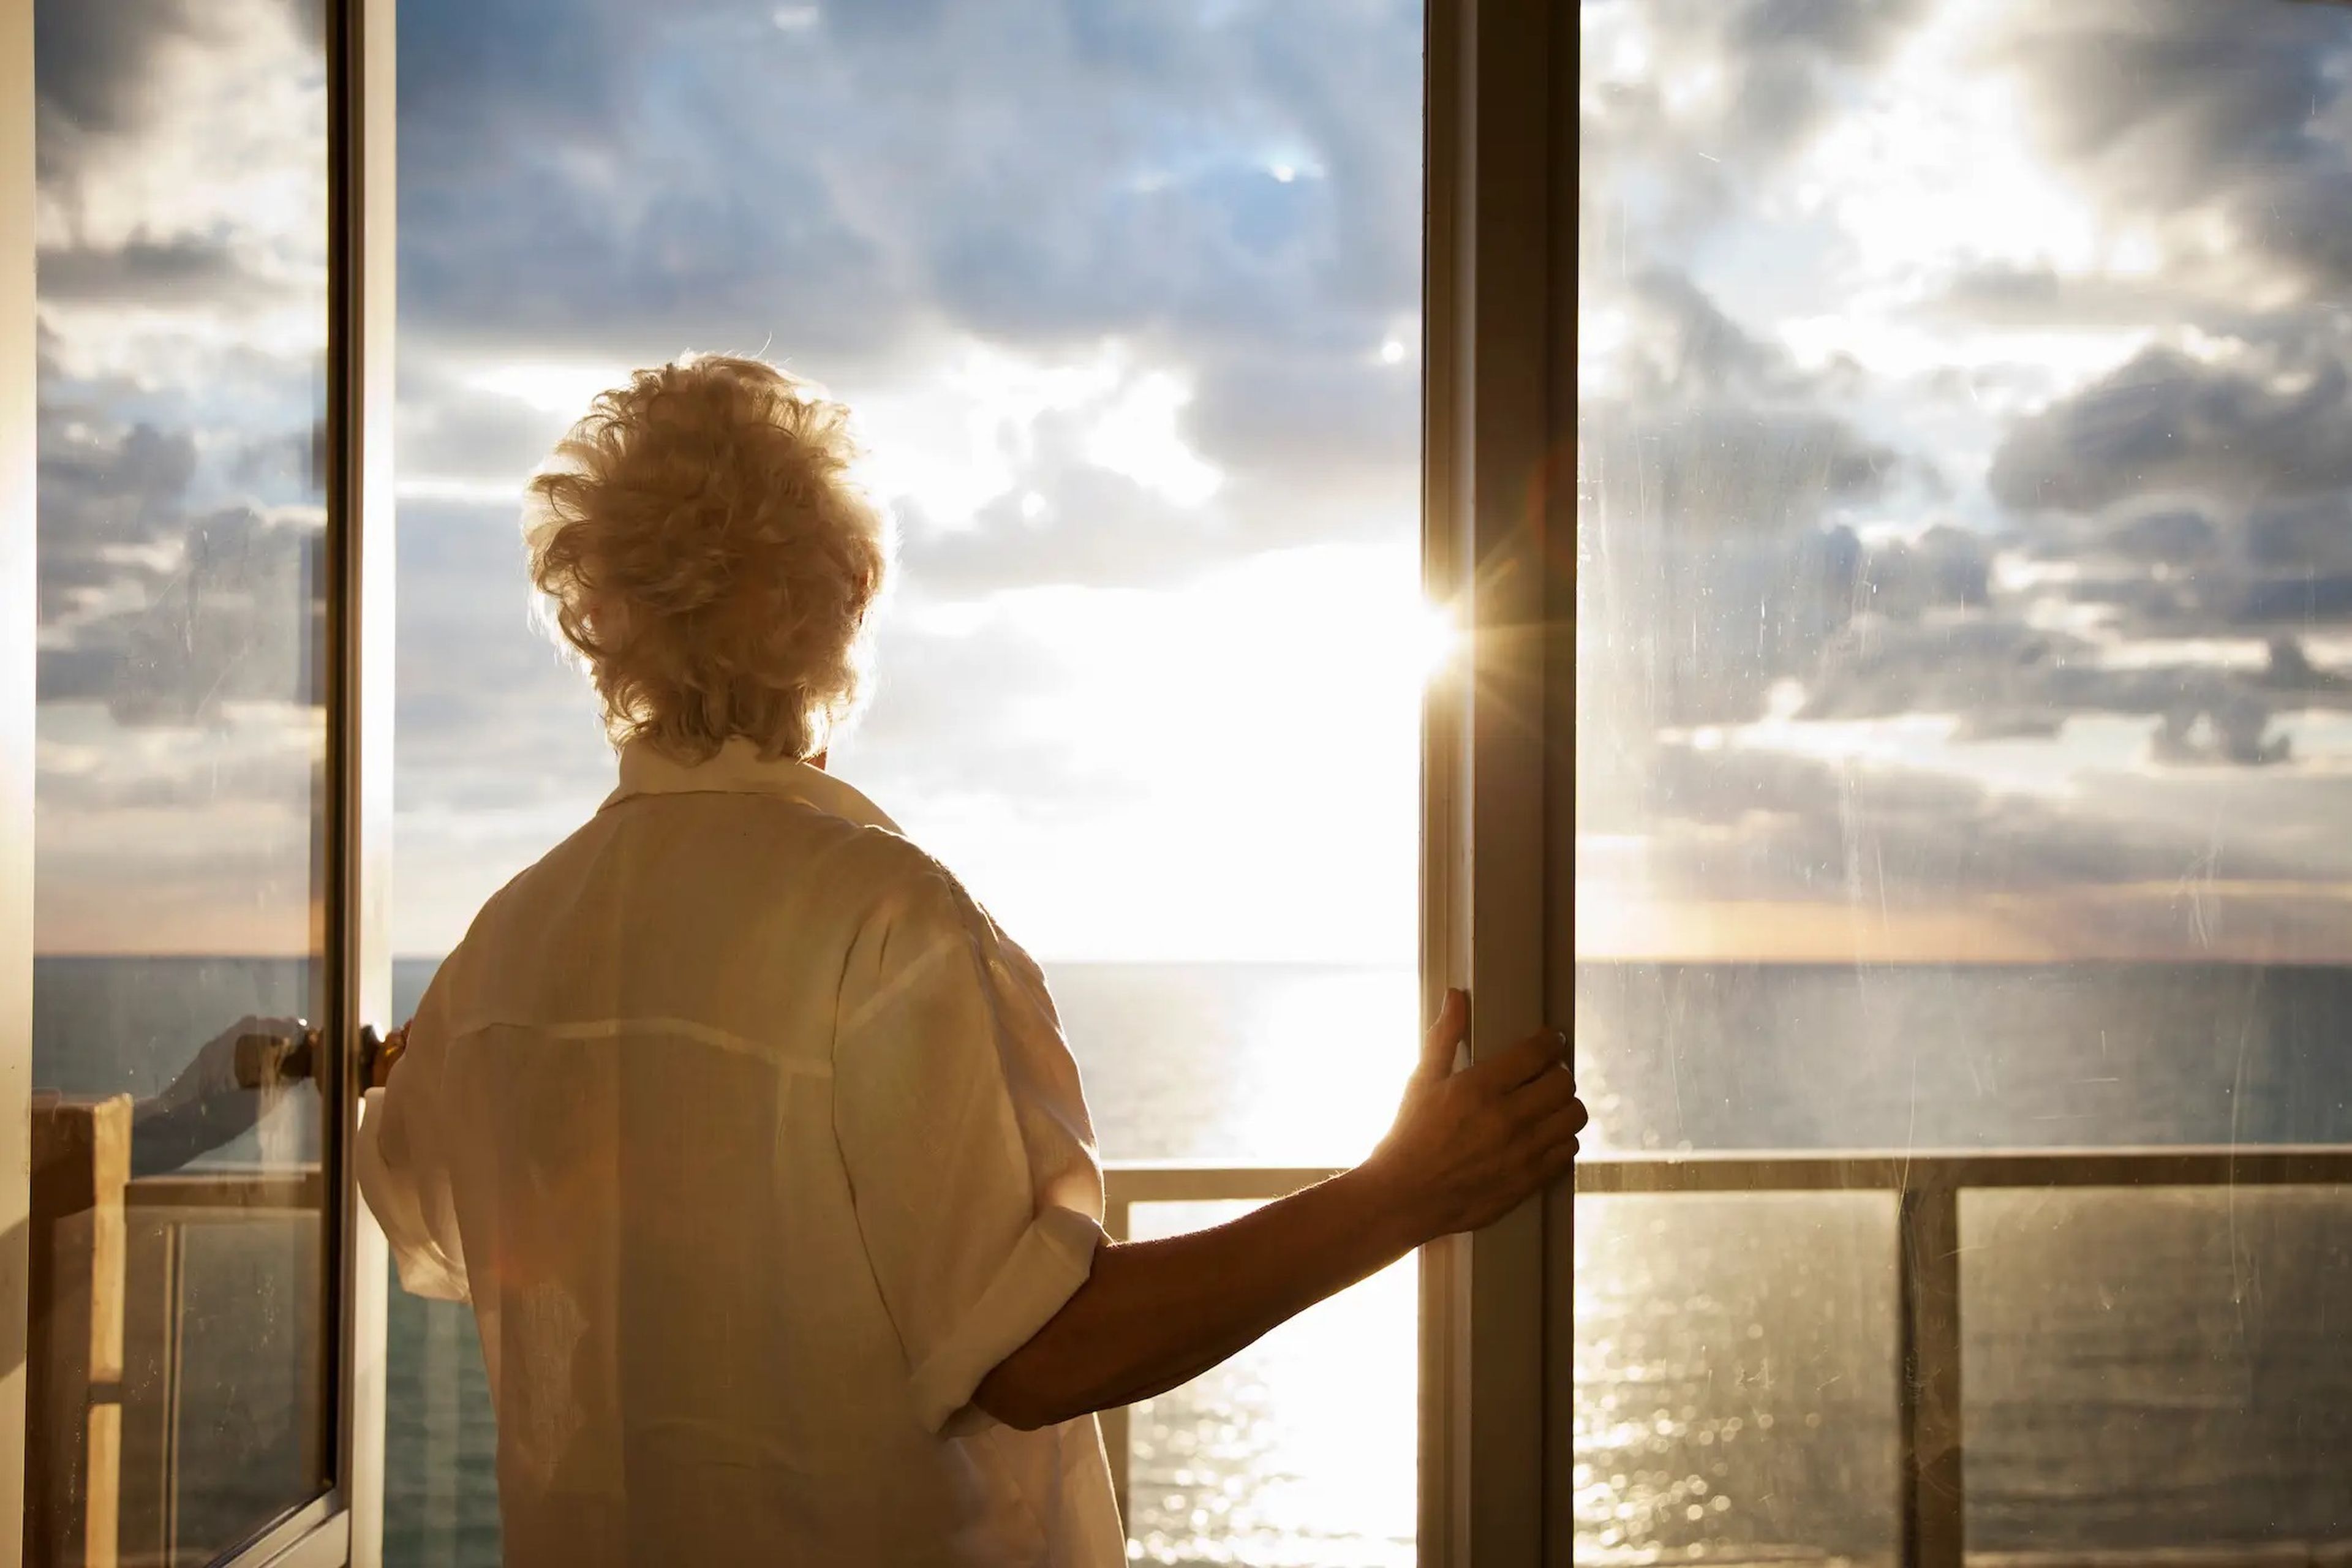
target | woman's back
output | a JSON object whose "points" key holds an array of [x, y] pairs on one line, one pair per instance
{"points": [[755, 1144]]}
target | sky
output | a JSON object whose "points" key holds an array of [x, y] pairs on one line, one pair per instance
{"points": [[1965, 456], [1124, 298], [1965, 480]]}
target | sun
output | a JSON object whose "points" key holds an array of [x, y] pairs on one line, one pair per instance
{"points": [[1432, 638]]}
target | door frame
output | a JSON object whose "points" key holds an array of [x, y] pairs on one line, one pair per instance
{"points": [[344, 1525], [19, 634], [1492, 734]]}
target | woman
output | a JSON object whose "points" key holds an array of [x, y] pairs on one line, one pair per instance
{"points": [[753, 1141]]}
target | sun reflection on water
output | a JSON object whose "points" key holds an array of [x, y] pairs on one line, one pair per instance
{"points": [[1298, 1453]]}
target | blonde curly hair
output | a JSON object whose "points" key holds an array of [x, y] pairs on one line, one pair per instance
{"points": [[706, 554]]}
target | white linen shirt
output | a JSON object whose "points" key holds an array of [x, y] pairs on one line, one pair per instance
{"points": [[755, 1146]]}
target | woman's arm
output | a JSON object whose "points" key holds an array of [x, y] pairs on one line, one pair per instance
{"points": [[1467, 1149]]}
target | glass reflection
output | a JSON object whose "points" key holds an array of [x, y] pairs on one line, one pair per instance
{"points": [[1965, 672], [182, 304]]}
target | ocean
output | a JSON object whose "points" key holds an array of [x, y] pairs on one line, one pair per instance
{"points": [[2142, 1369]]}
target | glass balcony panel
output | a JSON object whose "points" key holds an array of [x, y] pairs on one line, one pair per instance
{"points": [[1735, 1369]]}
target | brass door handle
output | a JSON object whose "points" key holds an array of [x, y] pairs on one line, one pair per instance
{"points": [[373, 1046]]}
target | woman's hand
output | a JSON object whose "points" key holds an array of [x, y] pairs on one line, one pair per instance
{"points": [[1469, 1147], [387, 1052]]}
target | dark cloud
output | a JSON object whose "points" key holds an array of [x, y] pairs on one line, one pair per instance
{"points": [[2174, 101], [2006, 679], [94, 64], [2165, 536], [1719, 480], [2170, 94], [481, 84], [1036, 174], [236, 613], [2167, 424], [90, 60], [1231, 194], [2191, 495], [1740, 823], [158, 605], [186, 270], [1706, 428]]}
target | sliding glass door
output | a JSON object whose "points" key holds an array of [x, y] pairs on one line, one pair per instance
{"points": [[1965, 657], [198, 974]]}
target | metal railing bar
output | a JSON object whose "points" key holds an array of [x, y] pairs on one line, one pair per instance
{"points": [[1118, 1217], [1927, 1389], [2268, 1165], [278, 1189], [1183, 1182]]}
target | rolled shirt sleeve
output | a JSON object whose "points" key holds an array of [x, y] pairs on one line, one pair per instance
{"points": [[965, 1133], [401, 1170]]}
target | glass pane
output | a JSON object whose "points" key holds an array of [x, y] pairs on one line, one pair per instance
{"points": [[1964, 632], [1299, 1452], [1735, 1378], [177, 1403], [2157, 1369], [1126, 301]]}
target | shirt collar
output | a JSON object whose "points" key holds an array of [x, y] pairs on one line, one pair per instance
{"points": [[739, 769]]}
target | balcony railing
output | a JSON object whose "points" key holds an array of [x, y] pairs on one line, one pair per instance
{"points": [[107, 1332], [147, 1219], [1927, 1188]]}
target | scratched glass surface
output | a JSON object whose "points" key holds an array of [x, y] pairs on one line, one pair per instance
{"points": [[1964, 725], [176, 1395], [1752, 1416]]}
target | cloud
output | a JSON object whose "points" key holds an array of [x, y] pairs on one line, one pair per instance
{"points": [[489, 712], [158, 602], [2167, 423], [188, 269], [2197, 492], [2176, 103], [1753, 80], [1699, 428], [91, 58], [2006, 679], [1028, 172], [1748, 823], [1720, 483]]}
